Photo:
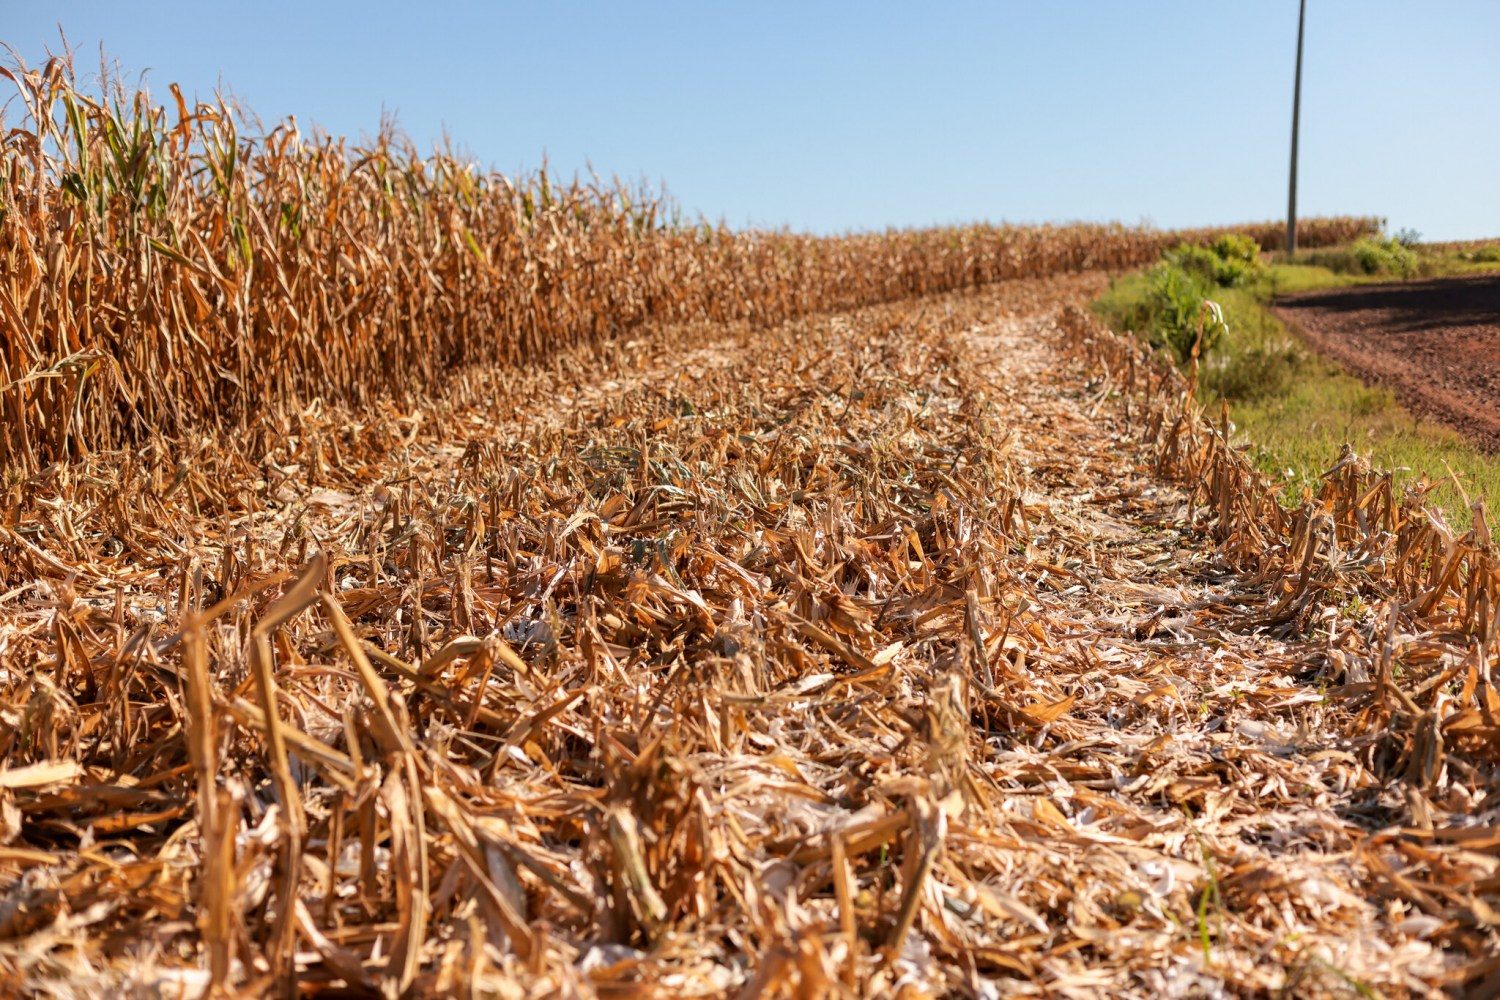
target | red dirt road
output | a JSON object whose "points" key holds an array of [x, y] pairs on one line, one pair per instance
{"points": [[1435, 343]]}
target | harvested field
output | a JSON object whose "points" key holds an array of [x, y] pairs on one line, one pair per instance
{"points": [[875, 652], [418, 582], [1435, 343]]}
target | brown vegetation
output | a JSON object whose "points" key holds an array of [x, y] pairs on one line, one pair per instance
{"points": [[774, 653], [166, 272], [826, 657]]}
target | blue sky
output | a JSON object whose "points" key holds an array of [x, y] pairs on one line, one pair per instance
{"points": [[829, 116]]}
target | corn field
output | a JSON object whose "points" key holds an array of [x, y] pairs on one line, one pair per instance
{"points": [[420, 582], [167, 272]]}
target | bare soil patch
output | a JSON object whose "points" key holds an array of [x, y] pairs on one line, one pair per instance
{"points": [[1435, 343]]}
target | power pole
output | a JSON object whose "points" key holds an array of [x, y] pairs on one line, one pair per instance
{"points": [[1291, 198]]}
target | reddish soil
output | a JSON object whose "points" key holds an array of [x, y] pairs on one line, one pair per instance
{"points": [[1436, 344]]}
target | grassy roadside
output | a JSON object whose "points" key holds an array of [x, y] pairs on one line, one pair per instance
{"points": [[1293, 408]]}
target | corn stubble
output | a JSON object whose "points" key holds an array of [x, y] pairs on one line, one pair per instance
{"points": [[414, 581]]}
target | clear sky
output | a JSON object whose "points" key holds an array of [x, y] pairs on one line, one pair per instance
{"points": [[839, 115]]}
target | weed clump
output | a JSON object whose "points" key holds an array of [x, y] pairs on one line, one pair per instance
{"points": [[1204, 301], [1172, 313], [1370, 256], [1239, 259], [1230, 261], [1385, 257], [1175, 311], [1256, 373]]}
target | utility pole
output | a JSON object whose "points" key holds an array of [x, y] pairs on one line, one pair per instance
{"points": [[1291, 198]]}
